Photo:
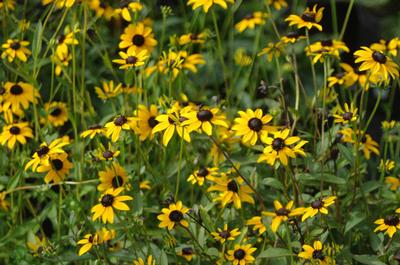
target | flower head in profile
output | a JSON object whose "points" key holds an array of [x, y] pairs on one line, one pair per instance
{"points": [[65, 40], [10, 4], [207, 4], [173, 215], [109, 90], [121, 122], [315, 253], [309, 19], [93, 130], [128, 6], [16, 49], [241, 254], [38, 246], [257, 223], [390, 224], [272, 50], [250, 21], [192, 38], [242, 58], [109, 201], [282, 214], [278, 4], [87, 242], [318, 206], [225, 234], [292, 37], [321, 49]]}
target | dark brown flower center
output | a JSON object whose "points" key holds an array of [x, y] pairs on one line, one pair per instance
{"points": [[364, 139], [124, 3], [239, 254], [57, 164], [102, 5], [121, 120], [152, 122], [138, 40], [171, 121], [16, 90], [187, 251], [202, 172], [340, 75], [392, 220], [308, 17], [278, 144], [318, 204], [15, 45], [232, 186], [327, 43], [131, 60], [117, 182], [90, 239], [317, 254], [15, 130], [175, 216], [107, 200], [108, 154], [347, 116], [282, 212], [255, 124], [379, 57], [204, 115], [61, 39], [56, 112], [2, 91], [225, 234], [43, 150], [193, 36]]}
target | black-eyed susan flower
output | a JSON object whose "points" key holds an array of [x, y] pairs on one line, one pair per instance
{"points": [[87, 242], [387, 125], [292, 37], [93, 130], [368, 145], [108, 201], [106, 153], [281, 146], [192, 38], [241, 58], [231, 190], [128, 6], [320, 49], [190, 61], [19, 96], [282, 214], [64, 40], [386, 165], [113, 176], [147, 121], [138, 36], [346, 114], [250, 21], [376, 62], [38, 246], [337, 79], [241, 254], [315, 253], [145, 185], [121, 122], [16, 48], [3, 203], [203, 174], [149, 261], [390, 224], [131, 58], [102, 9], [225, 234], [16, 132], [389, 47], [257, 223], [251, 125], [61, 63], [203, 119], [59, 3], [309, 19], [57, 169], [10, 4], [43, 154], [169, 63], [207, 4], [187, 253], [272, 50], [393, 182], [109, 90], [57, 113], [318, 206], [278, 4], [173, 215]]}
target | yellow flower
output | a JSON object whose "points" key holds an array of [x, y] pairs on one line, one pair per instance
{"points": [[186, 253], [278, 4], [16, 48], [258, 224], [273, 49], [390, 47], [61, 63], [321, 49], [346, 115], [10, 4], [241, 254], [108, 201], [38, 246], [119, 123], [145, 185], [15, 132], [377, 63], [43, 154], [390, 224], [251, 125], [102, 9], [114, 176], [59, 3], [386, 125], [125, 8], [249, 22], [3, 203], [192, 38], [386, 166], [109, 90], [282, 214], [206, 4], [93, 130], [280, 147], [225, 234], [318, 206], [315, 253], [241, 58], [394, 183], [202, 119], [139, 37], [131, 58], [173, 215], [231, 190], [57, 113], [292, 37], [149, 261], [309, 18], [19, 95], [147, 121], [106, 154], [204, 173], [368, 145], [88, 241], [64, 40], [57, 169]]}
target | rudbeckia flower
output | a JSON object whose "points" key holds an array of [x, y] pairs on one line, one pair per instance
{"points": [[109, 201], [128, 6], [187, 253], [10, 4], [57, 113], [93, 130], [16, 132], [321, 49], [207, 4], [278, 4], [18, 96], [109, 90], [88, 241], [138, 36], [38, 246], [112, 177], [249, 22], [59, 3], [272, 50], [292, 37], [389, 47], [241, 254], [173, 215], [315, 253], [242, 58], [282, 214], [131, 58], [346, 115], [3, 203], [16, 48], [202, 119], [309, 19], [225, 234], [390, 224], [394, 183], [119, 123], [149, 261], [318, 206], [106, 153], [147, 121], [202, 174], [57, 169], [64, 40], [257, 223], [192, 38]]}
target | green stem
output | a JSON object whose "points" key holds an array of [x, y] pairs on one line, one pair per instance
{"points": [[346, 19]]}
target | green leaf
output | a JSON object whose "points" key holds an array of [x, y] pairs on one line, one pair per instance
{"points": [[355, 219], [329, 178], [163, 258], [274, 183], [275, 253], [345, 151], [368, 259]]}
